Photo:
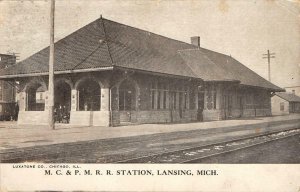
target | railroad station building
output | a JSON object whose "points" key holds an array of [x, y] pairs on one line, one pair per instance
{"points": [[109, 74]]}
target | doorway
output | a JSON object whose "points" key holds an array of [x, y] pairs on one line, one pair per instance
{"points": [[241, 105], [200, 106], [227, 106], [127, 101]]}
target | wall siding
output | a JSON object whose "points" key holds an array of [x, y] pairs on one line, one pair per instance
{"points": [[158, 116], [276, 106], [244, 102], [33, 117]]}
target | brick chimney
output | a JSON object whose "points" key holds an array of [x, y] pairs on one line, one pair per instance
{"points": [[195, 41]]}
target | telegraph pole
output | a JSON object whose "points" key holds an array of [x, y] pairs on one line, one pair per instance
{"points": [[269, 56], [51, 69]]}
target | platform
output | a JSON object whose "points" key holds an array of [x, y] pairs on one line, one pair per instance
{"points": [[13, 136]]}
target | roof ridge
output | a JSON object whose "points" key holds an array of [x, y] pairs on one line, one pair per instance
{"points": [[189, 66], [143, 30], [217, 65], [84, 59], [194, 49], [56, 42], [215, 52], [106, 39]]}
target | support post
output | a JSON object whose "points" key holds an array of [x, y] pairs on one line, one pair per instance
{"points": [[22, 101], [51, 68], [74, 100], [269, 56]]}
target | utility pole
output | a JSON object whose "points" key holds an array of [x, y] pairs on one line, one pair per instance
{"points": [[51, 69], [269, 56]]}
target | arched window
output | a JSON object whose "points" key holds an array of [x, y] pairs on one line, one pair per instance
{"points": [[62, 101], [36, 97], [89, 95]]}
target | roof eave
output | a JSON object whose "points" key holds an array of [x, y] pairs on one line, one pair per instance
{"points": [[57, 72], [225, 80], [266, 88], [157, 73]]}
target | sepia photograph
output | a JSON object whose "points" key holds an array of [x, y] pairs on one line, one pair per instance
{"points": [[147, 83]]}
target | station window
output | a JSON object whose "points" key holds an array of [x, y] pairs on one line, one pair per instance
{"points": [[163, 96], [215, 99], [165, 99], [158, 99], [152, 99], [180, 100], [152, 94], [282, 106], [158, 94], [0, 90]]}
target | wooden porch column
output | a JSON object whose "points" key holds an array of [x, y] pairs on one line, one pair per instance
{"points": [[188, 98], [177, 100], [105, 99], [74, 100], [22, 101], [167, 99], [155, 95], [196, 99], [46, 93], [205, 99], [219, 97]]}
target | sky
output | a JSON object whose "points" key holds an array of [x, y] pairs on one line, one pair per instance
{"points": [[244, 29]]}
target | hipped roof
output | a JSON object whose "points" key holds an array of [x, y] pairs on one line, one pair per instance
{"points": [[105, 44]]}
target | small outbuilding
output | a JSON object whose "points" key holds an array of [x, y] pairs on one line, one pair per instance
{"points": [[285, 103]]}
